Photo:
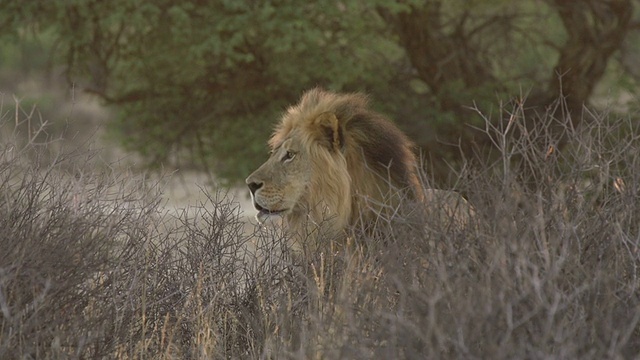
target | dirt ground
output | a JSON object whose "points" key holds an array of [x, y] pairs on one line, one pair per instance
{"points": [[70, 120]]}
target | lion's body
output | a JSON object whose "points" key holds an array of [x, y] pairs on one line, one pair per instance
{"points": [[335, 163]]}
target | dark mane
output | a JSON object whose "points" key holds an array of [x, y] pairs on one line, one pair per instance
{"points": [[367, 138], [385, 147]]}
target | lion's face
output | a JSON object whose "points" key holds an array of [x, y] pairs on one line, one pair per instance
{"points": [[279, 185], [333, 164]]}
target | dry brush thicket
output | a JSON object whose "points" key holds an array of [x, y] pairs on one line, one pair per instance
{"points": [[91, 266]]}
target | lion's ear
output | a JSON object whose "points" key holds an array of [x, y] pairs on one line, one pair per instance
{"points": [[330, 129]]}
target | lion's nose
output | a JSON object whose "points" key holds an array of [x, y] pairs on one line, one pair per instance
{"points": [[254, 186]]}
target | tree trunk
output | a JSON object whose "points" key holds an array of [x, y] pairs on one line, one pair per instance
{"points": [[445, 52], [595, 29], [441, 56]]}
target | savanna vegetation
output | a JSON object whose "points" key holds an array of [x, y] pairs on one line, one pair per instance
{"points": [[528, 108], [184, 75], [93, 267]]}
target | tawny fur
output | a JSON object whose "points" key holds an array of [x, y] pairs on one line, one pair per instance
{"points": [[347, 161]]}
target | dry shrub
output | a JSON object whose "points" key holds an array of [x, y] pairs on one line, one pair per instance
{"points": [[92, 267], [549, 271]]}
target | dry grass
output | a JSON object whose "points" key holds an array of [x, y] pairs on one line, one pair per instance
{"points": [[91, 266]]}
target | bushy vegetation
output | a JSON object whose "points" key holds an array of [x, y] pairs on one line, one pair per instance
{"points": [[92, 267], [202, 83]]}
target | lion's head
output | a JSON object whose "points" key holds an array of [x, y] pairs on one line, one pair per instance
{"points": [[333, 162]]}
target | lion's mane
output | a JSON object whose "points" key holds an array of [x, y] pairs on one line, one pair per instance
{"points": [[359, 158]]}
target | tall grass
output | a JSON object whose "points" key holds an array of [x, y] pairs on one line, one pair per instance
{"points": [[91, 266]]}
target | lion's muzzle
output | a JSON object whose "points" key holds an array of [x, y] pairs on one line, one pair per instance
{"points": [[264, 213], [254, 186]]}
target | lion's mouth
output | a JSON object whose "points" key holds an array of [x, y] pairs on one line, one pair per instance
{"points": [[264, 213], [270, 212]]}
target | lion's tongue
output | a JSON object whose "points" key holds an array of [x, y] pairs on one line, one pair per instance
{"points": [[265, 216]]}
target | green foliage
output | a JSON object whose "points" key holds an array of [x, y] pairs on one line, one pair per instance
{"points": [[210, 80], [183, 74]]}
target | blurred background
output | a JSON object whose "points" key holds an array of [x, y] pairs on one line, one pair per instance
{"points": [[197, 85], [117, 116]]}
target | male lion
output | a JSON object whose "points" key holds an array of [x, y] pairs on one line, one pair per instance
{"points": [[335, 163]]}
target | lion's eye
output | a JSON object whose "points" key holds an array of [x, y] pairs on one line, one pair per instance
{"points": [[288, 156]]}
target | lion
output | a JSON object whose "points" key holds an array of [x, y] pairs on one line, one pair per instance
{"points": [[335, 163]]}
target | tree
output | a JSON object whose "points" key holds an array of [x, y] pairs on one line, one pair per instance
{"points": [[205, 82], [209, 80], [595, 30], [461, 51]]}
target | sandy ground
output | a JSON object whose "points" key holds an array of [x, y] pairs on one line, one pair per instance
{"points": [[77, 121]]}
